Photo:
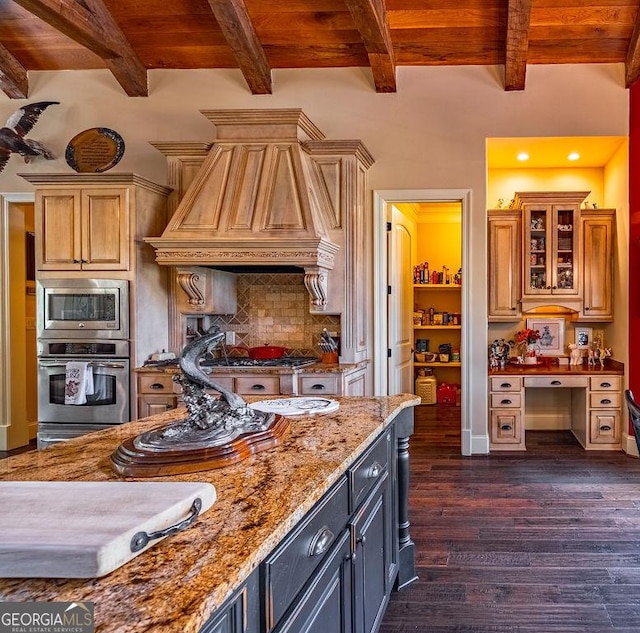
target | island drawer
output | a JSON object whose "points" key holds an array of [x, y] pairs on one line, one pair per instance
{"points": [[604, 383], [225, 382], [291, 564], [157, 383], [506, 400], [319, 385], [601, 400], [506, 383], [259, 385], [368, 471], [556, 381]]}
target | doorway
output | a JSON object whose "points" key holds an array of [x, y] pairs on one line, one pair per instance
{"points": [[392, 319], [18, 391]]}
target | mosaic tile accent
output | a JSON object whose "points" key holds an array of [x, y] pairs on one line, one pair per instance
{"points": [[273, 308]]}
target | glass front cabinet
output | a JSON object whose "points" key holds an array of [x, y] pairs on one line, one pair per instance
{"points": [[550, 232]]}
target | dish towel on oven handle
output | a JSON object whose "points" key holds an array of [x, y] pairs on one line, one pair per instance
{"points": [[78, 382]]}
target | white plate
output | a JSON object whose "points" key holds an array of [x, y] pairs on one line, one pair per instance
{"points": [[296, 406]]}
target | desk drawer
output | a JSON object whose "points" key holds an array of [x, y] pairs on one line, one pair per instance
{"points": [[605, 383], [508, 400], [289, 567], [556, 381], [506, 383], [601, 400]]}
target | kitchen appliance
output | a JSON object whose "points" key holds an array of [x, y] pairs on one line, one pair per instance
{"points": [[82, 308], [107, 406]]}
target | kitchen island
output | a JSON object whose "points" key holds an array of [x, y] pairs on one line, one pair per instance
{"points": [[343, 462]]}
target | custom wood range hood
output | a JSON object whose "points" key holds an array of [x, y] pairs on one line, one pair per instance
{"points": [[268, 193]]}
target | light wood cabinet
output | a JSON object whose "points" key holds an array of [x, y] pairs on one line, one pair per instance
{"points": [[82, 229], [504, 265], [598, 231], [506, 414], [564, 256]]}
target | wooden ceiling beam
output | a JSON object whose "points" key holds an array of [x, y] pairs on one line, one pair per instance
{"points": [[517, 44], [13, 76], [95, 29], [240, 34], [632, 63], [370, 17]]}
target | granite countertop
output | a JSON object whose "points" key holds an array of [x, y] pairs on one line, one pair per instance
{"points": [[610, 367], [316, 368], [177, 584]]}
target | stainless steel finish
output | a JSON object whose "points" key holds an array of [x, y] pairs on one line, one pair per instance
{"points": [[79, 324]]}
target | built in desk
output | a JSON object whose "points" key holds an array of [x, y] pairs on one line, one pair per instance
{"points": [[596, 402]]}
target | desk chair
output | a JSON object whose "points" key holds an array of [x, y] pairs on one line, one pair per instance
{"points": [[634, 415]]}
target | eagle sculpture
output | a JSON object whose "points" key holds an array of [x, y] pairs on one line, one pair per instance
{"points": [[12, 135]]}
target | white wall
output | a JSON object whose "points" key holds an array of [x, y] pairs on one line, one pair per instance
{"points": [[430, 134]]}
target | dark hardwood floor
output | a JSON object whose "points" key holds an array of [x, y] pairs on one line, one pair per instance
{"points": [[542, 541]]}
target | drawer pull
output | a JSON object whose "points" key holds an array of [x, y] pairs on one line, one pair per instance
{"points": [[505, 385], [605, 427], [506, 427], [258, 387], [374, 470], [318, 386], [605, 384], [605, 401], [321, 541], [556, 382], [505, 401], [157, 385]]}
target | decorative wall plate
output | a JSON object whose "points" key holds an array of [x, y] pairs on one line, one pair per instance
{"points": [[296, 406], [95, 150]]}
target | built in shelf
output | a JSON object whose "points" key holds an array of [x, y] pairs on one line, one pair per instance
{"points": [[437, 327], [439, 286], [437, 364]]}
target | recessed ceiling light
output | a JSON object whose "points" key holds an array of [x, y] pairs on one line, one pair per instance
{"points": [[523, 156], [573, 156]]}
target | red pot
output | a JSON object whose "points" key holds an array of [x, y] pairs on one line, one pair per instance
{"points": [[264, 351]]}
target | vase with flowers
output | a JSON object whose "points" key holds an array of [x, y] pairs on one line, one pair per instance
{"points": [[527, 341]]}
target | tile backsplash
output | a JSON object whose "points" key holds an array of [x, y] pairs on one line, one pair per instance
{"points": [[273, 308]]}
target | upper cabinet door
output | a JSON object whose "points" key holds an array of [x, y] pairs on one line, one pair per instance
{"points": [[598, 229], [504, 266], [551, 250], [58, 245]]}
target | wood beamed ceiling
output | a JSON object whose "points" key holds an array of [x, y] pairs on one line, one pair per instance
{"points": [[257, 36]]}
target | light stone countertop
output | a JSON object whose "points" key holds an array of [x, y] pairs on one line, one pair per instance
{"points": [[180, 581]]}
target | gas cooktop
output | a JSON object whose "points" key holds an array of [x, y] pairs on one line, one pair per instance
{"points": [[242, 361]]}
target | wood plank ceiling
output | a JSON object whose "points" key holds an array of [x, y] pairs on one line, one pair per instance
{"points": [[256, 36]]}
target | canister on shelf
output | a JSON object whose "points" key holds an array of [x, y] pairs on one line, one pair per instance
{"points": [[426, 387]]}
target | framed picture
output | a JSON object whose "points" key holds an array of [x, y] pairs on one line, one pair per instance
{"points": [[551, 339], [584, 337]]}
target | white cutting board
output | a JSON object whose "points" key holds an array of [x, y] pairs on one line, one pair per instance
{"points": [[83, 529]]}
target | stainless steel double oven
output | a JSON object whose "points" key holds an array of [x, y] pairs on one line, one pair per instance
{"points": [[82, 320]]}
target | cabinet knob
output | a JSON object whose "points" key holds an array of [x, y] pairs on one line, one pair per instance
{"points": [[258, 387], [506, 427], [362, 539], [76, 261], [374, 470], [513, 308], [587, 308], [505, 385], [156, 385], [351, 557], [318, 386], [605, 427], [605, 384], [505, 401], [555, 383], [169, 406], [605, 401]]}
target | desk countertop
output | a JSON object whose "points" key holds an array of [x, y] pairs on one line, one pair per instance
{"points": [[176, 585], [610, 367]]}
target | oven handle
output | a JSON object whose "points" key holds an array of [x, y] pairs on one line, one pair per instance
{"points": [[53, 363]]}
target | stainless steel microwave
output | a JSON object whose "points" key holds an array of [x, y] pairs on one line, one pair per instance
{"points": [[82, 308]]}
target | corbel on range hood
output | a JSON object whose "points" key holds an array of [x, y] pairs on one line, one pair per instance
{"points": [[254, 201]]}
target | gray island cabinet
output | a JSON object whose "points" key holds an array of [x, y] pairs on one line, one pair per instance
{"points": [[310, 536]]}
